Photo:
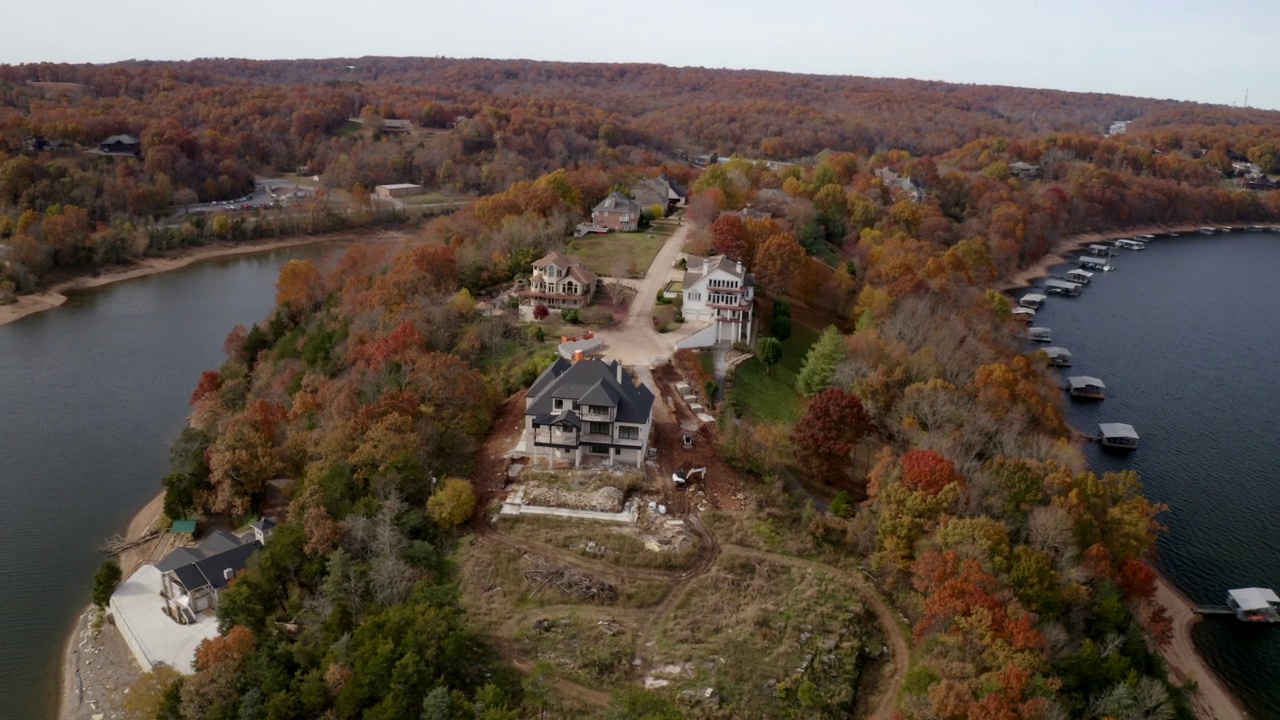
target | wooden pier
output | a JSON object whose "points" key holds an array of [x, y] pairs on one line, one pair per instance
{"points": [[1213, 610]]}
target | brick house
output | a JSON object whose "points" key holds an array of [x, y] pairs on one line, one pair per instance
{"points": [[591, 408], [618, 213]]}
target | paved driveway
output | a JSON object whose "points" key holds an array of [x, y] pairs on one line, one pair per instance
{"points": [[635, 342], [150, 634]]}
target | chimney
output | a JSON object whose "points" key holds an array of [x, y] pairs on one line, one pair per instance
{"points": [[618, 364], [227, 574], [737, 268], [706, 265]]}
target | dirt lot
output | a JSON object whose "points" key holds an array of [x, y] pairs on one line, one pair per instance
{"points": [[722, 487]]}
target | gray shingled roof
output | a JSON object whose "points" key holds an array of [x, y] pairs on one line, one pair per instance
{"points": [[126, 139], [617, 202], [209, 571], [591, 382]]}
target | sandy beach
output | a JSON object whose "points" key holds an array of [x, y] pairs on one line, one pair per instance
{"points": [[1212, 701], [56, 296]]}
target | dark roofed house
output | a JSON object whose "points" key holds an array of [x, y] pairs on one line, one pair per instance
{"points": [[121, 144], [192, 577], [618, 213], [588, 408], [662, 191]]}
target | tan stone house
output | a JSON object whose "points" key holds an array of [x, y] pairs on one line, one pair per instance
{"points": [[560, 281]]}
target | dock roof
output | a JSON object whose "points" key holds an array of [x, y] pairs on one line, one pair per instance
{"points": [[1064, 284], [1254, 598], [1084, 381], [1080, 273], [1056, 351], [1035, 297], [1117, 430]]}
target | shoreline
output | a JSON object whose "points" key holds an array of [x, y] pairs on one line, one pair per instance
{"points": [[1213, 700], [107, 642], [1060, 251], [56, 296]]}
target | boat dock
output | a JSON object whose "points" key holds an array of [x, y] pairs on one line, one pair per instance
{"points": [[1247, 604]]}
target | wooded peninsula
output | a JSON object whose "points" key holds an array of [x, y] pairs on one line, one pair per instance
{"points": [[894, 520]]}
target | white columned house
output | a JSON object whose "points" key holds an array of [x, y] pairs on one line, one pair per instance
{"points": [[720, 291]]}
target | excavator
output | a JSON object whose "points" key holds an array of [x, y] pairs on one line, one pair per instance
{"points": [[683, 476]]}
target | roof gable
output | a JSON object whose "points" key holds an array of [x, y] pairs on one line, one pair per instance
{"points": [[591, 382]]}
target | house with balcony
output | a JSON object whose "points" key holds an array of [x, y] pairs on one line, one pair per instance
{"points": [[618, 213], [559, 281], [192, 578], [719, 291], [590, 409]]}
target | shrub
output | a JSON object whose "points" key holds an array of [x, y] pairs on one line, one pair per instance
{"points": [[569, 316], [540, 312], [596, 316], [710, 388], [105, 581], [842, 505]]}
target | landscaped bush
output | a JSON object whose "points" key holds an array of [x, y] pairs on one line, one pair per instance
{"points": [[569, 316], [595, 316], [540, 312]]}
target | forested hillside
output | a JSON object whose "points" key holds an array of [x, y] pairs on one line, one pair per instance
{"points": [[375, 379]]}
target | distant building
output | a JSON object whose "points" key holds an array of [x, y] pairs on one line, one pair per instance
{"points": [[719, 290], [397, 190], [121, 145], [901, 186], [1026, 171], [397, 127], [618, 213], [588, 408], [1119, 127], [560, 281]]}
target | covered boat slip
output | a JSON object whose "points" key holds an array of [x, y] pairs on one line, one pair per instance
{"points": [[1079, 277], [1118, 436], [1098, 263], [1039, 334], [1032, 300], [1100, 250], [1086, 387], [1254, 604], [1128, 244], [1058, 356], [1062, 287], [1024, 314]]}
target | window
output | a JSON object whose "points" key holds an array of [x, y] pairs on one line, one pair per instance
{"points": [[628, 433], [598, 428], [599, 450], [558, 404], [597, 410]]}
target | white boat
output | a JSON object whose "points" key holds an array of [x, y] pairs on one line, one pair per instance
{"points": [[1128, 244], [1118, 436], [1147, 237], [1207, 231]]}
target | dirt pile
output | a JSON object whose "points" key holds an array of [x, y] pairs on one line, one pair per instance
{"points": [[605, 499]]}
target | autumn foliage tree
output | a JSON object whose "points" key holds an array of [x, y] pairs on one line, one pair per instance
{"points": [[833, 424]]}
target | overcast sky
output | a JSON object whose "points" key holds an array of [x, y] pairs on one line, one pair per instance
{"points": [[1204, 50]]}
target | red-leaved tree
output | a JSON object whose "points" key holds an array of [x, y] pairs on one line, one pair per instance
{"points": [[833, 424], [928, 472]]}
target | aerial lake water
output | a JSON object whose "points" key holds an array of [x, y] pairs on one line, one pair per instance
{"points": [[91, 396], [1185, 336]]}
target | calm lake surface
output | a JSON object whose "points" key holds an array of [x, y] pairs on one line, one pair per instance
{"points": [[91, 396], [1185, 336]]}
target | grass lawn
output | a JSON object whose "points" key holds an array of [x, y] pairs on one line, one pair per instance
{"points": [[349, 128], [773, 397], [601, 253], [429, 199]]}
